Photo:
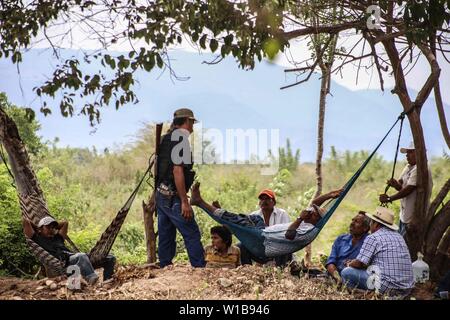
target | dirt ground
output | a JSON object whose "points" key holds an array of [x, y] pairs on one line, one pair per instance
{"points": [[183, 282]]}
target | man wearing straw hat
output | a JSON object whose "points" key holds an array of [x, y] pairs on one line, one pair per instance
{"points": [[384, 252]]}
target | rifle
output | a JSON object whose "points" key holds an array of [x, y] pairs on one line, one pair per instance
{"points": [[159, 127]]}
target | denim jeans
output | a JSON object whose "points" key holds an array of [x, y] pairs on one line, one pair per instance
{"points": [[355, 278], [108, 266], [402, 228], [169, 220], [86, 269], [248, 220], [258, 223], [247, 257]]}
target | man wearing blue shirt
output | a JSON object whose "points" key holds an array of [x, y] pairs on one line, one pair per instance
{"points": [[346, 247]]}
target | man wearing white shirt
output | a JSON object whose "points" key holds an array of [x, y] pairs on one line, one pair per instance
{"points": [[407, 189], [271, 216]]}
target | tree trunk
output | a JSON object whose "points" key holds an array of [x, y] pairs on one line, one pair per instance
{"points": [[320, 128], [437, 237], [438, 223], [417, 228], [149, 211], [440, 263], [24, 176], [324, 90]]}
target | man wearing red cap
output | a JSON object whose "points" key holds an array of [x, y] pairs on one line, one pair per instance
{"points": [[271, 215]]}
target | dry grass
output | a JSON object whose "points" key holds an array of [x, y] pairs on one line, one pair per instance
{"points": [[183, 282]]}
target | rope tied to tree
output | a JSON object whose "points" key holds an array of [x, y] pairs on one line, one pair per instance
{"points": [[400, 118]]}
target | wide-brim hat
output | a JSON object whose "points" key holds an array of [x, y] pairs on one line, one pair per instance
{"points": [[384, 216], [184, 113]]}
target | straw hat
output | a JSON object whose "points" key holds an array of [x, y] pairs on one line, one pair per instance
{"points": [[384, 216]]}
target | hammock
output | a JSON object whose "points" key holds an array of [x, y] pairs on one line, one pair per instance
{"points": [[33, 206], [265, 245], [34, 209]]}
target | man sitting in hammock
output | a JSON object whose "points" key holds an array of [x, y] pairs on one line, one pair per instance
{"points": [[292, 231], [50, 234]]}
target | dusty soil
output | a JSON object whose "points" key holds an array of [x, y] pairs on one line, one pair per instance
{"points": [[183, 282]]}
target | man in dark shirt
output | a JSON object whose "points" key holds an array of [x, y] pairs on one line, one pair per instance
{"points": [[173, 181], [50, 235]]}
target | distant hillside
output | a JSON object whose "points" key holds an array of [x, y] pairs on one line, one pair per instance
{"points": [[226, 97]]}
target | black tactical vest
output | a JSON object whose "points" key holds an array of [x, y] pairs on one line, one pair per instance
{"points": [[165, 165]]}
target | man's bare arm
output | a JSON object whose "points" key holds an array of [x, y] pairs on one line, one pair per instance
{"points": [[186, 209], [356, 264], [406, 191], [63, 227], [28, 229], [321, 199]]}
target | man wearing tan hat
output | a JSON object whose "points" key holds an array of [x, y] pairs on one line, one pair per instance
{"points": [[173, 180], [406, 187], [385, 252]]}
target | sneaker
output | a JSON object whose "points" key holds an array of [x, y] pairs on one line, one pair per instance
{"points": [[92, 279]]}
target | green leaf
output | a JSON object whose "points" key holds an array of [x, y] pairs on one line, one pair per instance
{"points": [[159, 61], [203, 41], [195, 36], [228, 39], [213, 45]]}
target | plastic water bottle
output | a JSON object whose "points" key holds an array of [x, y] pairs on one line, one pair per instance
{"points": [[421, 269]]}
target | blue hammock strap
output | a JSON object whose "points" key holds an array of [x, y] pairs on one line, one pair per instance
{"points": [[274, 244]]}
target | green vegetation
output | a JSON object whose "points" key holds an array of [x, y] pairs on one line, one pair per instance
{"points": [[87, 188]]}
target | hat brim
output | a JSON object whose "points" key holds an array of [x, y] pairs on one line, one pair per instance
{"points": [[390, 226], [265, 194], [405, 150]]}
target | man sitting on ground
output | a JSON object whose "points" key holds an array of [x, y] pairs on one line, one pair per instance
{"points": [[386, 252], [347, 246], [50, 236], [221, 253]]}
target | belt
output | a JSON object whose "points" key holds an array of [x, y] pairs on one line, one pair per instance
{"points": [[166, 192]]}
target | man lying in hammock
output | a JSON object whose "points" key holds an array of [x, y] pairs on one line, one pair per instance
{"points": [[292, 231], [50, 235]]}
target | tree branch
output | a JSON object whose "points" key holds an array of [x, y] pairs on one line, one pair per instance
{"points": [[433, 78], [332, 29]]}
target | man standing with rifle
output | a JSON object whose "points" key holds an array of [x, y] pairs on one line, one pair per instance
{"points": [[173, 180]]}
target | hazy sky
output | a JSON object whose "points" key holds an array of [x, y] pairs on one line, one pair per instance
{"points": [[78, 39]]}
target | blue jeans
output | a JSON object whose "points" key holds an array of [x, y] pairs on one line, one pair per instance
{"points": [[402, 228], [256, 222], [355, 278], [169, 220], [86, 269], [247, 220], [247, 257]]}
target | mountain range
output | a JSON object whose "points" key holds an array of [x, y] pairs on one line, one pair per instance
{"points": [[223, 96]]}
